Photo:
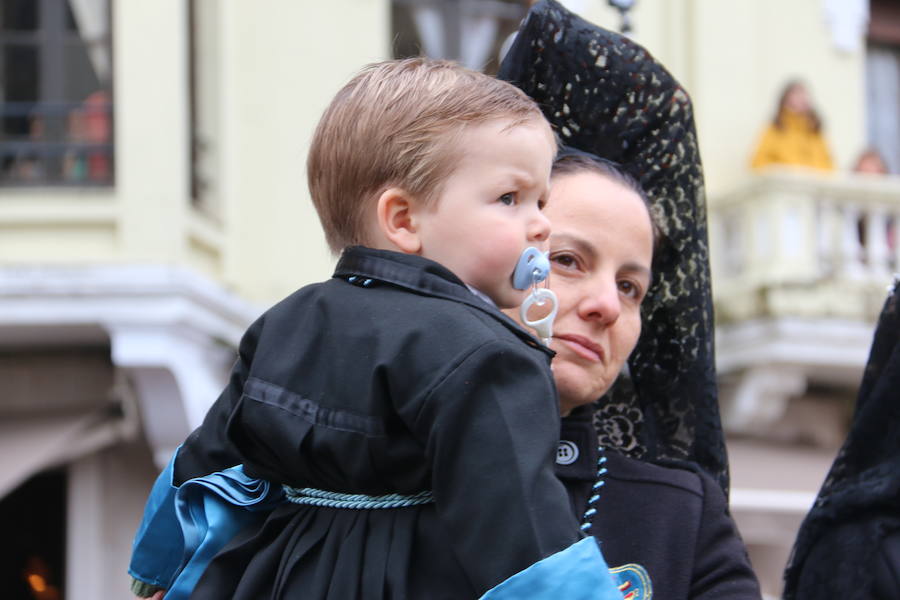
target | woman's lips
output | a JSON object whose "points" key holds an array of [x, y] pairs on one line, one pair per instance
{"points": [[582, 346]]}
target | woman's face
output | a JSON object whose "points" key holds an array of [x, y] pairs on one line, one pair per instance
{"points": [[601, 247], [797, 99]]}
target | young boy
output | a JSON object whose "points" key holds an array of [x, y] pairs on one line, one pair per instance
{"points": [[411, 425]]}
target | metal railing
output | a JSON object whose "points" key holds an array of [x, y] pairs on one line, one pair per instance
{"points": [[56, 143]]}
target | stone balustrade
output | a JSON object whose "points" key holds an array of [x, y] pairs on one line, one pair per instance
{"points": [[801, 263], [806, 245]]}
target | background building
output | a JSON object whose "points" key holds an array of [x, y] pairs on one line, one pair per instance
{"points": [[153, 201]]}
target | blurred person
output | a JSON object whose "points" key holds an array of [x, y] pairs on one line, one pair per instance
{"points": [[849, 544], [90, 124], [794, 137], [870, 161]]}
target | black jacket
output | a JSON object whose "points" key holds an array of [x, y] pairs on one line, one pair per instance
{"points": [[672, 522], [392, 377]]}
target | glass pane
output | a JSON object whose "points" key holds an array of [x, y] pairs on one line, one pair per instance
{"points": [[471, 32], [56, 111], [19, 15], [20, 69], [70, 23], [79, 77], [882, 100]]}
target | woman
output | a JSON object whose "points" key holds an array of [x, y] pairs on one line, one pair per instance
{"points": [[849, 543], [667, 527], [661, 509], [794, 137]]}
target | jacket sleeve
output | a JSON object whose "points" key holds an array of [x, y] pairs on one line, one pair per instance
{"points": [[158, 546], [207, 449], [721, 568], [490, 427]]}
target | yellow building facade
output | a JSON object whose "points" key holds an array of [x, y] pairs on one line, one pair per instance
{"points": [[138, 243]]}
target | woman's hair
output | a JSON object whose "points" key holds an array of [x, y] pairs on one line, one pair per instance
{"points": [[815, 120], [398, 123], [569, 162]]}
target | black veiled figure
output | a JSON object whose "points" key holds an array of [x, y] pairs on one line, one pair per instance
{"points": [[849, 543], [606, 95]]}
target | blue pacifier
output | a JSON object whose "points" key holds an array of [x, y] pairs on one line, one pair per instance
{"points": [[532, 268]]}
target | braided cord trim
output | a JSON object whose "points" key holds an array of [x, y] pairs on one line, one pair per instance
{"points": [[595, 493], [315, 497]]}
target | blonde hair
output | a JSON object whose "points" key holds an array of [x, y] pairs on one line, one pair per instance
{"points": [[397, 124]]}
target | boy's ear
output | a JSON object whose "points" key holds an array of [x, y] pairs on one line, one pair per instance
{"points": [[397, 213]]}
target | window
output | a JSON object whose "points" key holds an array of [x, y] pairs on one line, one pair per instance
{"points": [[883, 81], [55, 93], [471, 32], [204, 50]]}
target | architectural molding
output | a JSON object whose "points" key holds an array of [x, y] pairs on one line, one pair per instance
{"points": [[829, 350], [170, 330], [765, 364], [760, 397]]}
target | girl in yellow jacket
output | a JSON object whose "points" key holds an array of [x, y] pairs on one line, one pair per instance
{"points": [[795, 135]]}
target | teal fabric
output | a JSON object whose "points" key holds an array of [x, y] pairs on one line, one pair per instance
{"points": [[199, 518], [212, 510], [153, 560], [577, 573]]}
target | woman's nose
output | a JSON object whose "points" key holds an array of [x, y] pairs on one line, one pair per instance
{"points": [[601, 304], [539, 228]]}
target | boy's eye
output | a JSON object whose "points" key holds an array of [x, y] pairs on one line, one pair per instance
{"points": [[508, 198]]}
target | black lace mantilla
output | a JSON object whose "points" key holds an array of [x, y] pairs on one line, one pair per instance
{"points": [[607, 95], [859, 503]]}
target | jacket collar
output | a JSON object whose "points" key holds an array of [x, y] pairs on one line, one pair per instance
{"points": [[422, 276]]}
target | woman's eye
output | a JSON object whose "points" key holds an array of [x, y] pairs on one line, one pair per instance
{"points": [[566, 261], [508, 198], [630, 289]]}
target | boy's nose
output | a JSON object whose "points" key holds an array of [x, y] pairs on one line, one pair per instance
{"points": [[539, 229]]}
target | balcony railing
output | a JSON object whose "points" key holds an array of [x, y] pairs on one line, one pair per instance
{"points": [[801, 263], [57, 143], [805, 245]]}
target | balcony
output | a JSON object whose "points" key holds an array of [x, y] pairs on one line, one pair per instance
{"points": [[801, 263], [800, 245]]}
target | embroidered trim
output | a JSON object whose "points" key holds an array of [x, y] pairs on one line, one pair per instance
{"points": [[595, 492], [315, 497], [633, 581]]}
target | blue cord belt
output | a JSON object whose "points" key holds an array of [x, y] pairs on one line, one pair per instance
{"points": [[315, 497]]}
